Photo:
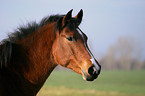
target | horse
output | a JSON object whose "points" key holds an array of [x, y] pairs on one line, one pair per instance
{"points": [[29, 55]]}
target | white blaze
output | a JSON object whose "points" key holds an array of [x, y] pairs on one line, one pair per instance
{"points": [[92, 57]]}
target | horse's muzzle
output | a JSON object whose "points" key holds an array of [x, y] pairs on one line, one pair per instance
{"points": [[92, 73]]}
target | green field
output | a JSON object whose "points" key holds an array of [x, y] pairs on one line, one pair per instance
{"points": [[109, 83]]}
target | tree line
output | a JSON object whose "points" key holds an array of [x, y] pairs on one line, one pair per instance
{"points": [[125, 54]]}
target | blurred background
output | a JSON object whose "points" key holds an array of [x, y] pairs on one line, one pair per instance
{"points": [[116, 32]]}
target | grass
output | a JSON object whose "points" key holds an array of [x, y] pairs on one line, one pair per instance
{"points": [[109, 83]]}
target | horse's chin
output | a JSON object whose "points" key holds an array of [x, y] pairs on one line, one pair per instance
{"points": [[88, 79]]}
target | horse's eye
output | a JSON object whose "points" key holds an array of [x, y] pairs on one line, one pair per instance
{"points": [[70, 38]]}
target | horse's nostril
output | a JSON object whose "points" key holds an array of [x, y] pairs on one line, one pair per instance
{"points": [[91, 74], [91, 70]]}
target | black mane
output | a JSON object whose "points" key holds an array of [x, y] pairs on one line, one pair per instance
{"points": [[30, 28], [7, 45]]}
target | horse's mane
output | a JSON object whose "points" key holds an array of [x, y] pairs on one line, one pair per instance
{"points": [[30, 28], [7, 45]]}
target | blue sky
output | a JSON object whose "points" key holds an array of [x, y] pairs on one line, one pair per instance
{"points": [[104, 21]]}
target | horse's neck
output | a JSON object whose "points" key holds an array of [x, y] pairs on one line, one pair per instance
{"points": [[39, 56]]}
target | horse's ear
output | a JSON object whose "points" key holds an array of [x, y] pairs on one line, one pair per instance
{"points": [[79, 16], [67, 17]]}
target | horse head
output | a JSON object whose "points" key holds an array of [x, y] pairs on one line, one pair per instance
{"points": [[70, 48]]}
